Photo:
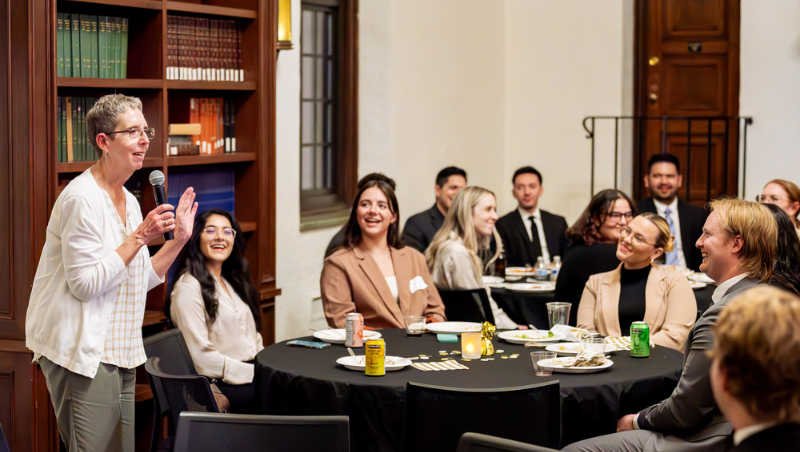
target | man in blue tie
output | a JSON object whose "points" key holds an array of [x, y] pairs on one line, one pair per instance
{"points": [[685, 221]]}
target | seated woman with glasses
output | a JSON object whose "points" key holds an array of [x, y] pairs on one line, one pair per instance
{"points": [[215, 305], [373, 273], [594, 244], [640, 290], [785, 195]]}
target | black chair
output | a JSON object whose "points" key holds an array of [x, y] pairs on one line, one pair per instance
{"points": [[3, 444], [436, 417], [475, 442], [467, 305], [213, 432], [170, 347]]}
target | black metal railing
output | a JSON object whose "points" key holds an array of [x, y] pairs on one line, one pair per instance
{"points": [[742, 123]]}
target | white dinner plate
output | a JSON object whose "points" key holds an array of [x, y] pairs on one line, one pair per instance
{"points": [[566, 349], [337, 336], [520, 271], [525, 336], [358, 362], [494, 281], [697, 284], [685, 271], [700, 277], [453, 327], [532, 288], [557, 365]]}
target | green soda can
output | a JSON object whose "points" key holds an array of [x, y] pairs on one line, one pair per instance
{"points": [[640, 340]]}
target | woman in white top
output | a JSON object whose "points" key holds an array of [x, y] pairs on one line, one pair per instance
{"points": [[452, 256], [84, 319], [215, 305]]}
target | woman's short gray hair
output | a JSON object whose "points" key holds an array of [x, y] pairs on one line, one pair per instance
{"points": [[102, 117]]}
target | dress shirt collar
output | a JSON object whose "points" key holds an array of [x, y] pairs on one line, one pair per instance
{"points": [[525, 214], [723, 288], [662, 208], [744, 433]]}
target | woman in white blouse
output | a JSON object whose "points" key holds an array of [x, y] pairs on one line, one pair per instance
{"points": [[453, 254], [215, 305]]}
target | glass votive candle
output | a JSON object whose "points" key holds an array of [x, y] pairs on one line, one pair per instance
{"points": [[471, 345]]}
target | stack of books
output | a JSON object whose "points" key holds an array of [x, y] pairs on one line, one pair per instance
{"points": [[180, 139], [92, 46], [217, 119], [72, 143], [204, 49]]}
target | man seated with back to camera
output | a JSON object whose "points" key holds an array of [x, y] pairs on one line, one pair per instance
{"points": [[420, 228], [739, 237]]}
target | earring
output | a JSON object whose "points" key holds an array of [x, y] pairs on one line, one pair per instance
{"points": [[652, 262]]}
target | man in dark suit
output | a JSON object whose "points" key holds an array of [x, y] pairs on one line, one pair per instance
{"points": [[663, 179], [529, 232], [690, 418], [421, 228], [754, 374]]}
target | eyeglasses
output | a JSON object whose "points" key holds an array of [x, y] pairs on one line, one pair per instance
{"points": [[618, 215], [212, 231], [638, 239], [770, 199], [134, 133]]}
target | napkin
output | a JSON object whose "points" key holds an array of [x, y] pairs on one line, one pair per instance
{"points": [[442, 365], [585, 355], [571, 334], [620, 343]]}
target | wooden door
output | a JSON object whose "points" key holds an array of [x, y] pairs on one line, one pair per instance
{"points": [[687, 66]]}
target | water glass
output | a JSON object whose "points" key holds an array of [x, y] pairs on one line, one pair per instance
{"points": [[558, 313], [537, 357], [415, 325], [595, 343]]}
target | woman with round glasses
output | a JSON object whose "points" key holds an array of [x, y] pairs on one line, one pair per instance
{"points": [[215, 305], [594, 239], [784, 194], [640, 290]]}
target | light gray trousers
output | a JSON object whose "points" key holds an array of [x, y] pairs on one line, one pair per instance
{"points": [[94, 414]]}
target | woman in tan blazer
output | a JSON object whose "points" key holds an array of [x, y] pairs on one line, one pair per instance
{"points": [[640, 290], [373, 274]]}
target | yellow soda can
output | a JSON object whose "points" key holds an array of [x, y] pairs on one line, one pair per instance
{"points": [[376, 358]]}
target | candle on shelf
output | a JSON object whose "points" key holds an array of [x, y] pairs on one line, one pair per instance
{"points": [[471, 345]]}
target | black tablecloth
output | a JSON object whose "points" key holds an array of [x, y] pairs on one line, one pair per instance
{"points": [[530, 307], [299, 381]]}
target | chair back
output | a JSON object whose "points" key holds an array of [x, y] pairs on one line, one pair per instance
{"points": [[436, 417], [212, 432], [182, 392], [3, 444], [467, 305], [475, 442]]}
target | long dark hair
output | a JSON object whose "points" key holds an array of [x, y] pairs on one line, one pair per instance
{"points": [[235, 269], [786, 271], [353, 230], [587, 228]]}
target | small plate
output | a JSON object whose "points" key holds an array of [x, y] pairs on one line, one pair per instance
{"points": [[557, 364], [566, 349], [533, 288], [697, 285], [358, 362], [520, 271], [525, 336], [337, 336], [494, 281], [700, 277], [453, 327]]}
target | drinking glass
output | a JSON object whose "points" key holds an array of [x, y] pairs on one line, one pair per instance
{"points": [[537, 357], [595, 343], [558, 313], [415, 325]]}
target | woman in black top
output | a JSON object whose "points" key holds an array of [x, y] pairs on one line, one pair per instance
{"points": [[594, 244], [786, 272]]}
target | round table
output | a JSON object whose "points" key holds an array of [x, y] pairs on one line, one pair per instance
{"points": [[300, 381]]}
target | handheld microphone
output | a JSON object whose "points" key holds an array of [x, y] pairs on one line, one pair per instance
{"points": [[157, 180]]}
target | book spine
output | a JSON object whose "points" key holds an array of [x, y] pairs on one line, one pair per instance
{"points": [[71, 115], [123, 48], [95, 47], [232, 129], [117, 47], [81, 129], [194, 117], [86, 46], [220, 126], [67, 38], [213, 43], [63, 121], [238, 55], [226, 126], [76, 45], [170, 44], [59, 130], [60, 45]]}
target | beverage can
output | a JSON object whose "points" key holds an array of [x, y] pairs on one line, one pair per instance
{"points": [[376, 358], [640, 340], [354, 330]]}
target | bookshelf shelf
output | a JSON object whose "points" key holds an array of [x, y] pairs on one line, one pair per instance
{"points": [[79, 167], [210, 86], [109, 83], [194, 8], [235, 157], [141, 4]]}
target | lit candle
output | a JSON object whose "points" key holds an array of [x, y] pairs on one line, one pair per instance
{"points": [[471, 345]]}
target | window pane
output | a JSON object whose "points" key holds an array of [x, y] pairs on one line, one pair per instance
{"points": [[328, 123], [328, 167], [328, 78], [307, 168], [319, 168], [320, 33], [307, 123], [307, 32], [320, 78], [329, 33], [307, 69], [320, 122]]}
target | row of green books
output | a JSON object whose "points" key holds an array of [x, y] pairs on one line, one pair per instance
{"points": [[92, 46], [73, 145]]}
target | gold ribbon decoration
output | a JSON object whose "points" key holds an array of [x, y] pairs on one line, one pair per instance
{"points": [[487, 332]]}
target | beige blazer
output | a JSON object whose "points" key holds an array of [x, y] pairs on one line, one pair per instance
{"points": [[351, 281], [670, 311]]}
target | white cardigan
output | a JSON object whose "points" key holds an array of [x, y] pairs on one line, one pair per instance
{"points": [[79, 272]]}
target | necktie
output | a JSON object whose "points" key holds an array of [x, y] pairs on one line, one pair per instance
{"points": [[536, 247], [672, 256]]}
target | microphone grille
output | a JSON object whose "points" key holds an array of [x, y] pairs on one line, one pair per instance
{"points": [[157, 178]]}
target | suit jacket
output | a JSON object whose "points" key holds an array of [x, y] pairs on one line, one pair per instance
{"points": [[421, 228], [519, 248], [691, 219], [780, 437], [691, 413], [670, 309], [351, 281]]}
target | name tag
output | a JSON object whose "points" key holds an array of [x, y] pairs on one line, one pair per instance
{"points": [[417, 284]]}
